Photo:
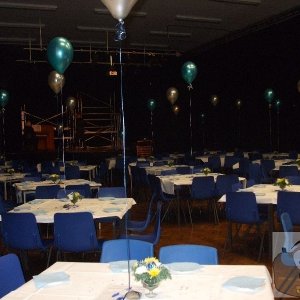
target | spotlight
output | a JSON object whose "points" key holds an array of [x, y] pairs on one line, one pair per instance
{"points": [[120, 31]]}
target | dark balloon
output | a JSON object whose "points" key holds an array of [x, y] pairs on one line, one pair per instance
{"points": [[60, 54], [269, 95], [189, 72], [4, 97], [151, 104]]}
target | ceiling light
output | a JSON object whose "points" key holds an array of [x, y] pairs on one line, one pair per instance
{"points": [[32, 6], [21, 25], [246, 2], [198, 19], [103, 11], [149, 45], [90, 28], [170, 33]]}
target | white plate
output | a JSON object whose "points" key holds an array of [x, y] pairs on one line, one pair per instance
{"points": [[121, 266], [245, 284], [111, 209], [184, 267]]}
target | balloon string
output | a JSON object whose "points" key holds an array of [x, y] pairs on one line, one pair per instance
{"points": [[3, 132], [191, 127]]}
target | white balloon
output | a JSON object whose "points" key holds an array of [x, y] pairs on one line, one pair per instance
{"points": [[119, 8]]}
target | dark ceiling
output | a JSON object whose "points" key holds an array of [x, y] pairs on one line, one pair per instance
{"points": [[171, 27]]}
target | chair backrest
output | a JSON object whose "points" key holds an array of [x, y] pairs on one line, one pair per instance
{"points": [[11, 274], [32, 178], [46, 191], [115, 191], [183, 170], [168, 172], [230, 160], [289, 243], [203, 187], [243, 166], [285, 171], [75, 232], [83, 189], [293, 155], [72, 172], [241, 207], [142, 164], [255, 173], [214, 162], [20, 231], [159, 163], [267, 165], [289, 202], [125, 249], [295, 180], [200, 254], [224, 183]]}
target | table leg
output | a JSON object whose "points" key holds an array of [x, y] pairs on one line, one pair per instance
{"points": [[270, 227]]}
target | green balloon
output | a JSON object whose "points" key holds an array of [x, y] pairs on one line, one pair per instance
{"points": [[4, 97], [189, 72], [151, 104], [269, 95], [60, 54]]}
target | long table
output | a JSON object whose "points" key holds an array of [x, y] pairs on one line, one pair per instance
{"points": [[6, 178], [44, 209], [97, 281], [28, 187], [267, 194]]}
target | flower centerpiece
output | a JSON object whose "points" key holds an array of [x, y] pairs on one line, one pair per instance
{"points": [[171, 163], [54, 178], [150, 272], [74, 197], [206, 171], [282, 183], [11, 171]]}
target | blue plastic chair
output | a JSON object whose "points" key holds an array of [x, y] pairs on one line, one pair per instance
{"points": [[285, 171], [21, 232], [168, 172], [83, 189], [289, 202], [203, 189], [75, 232], [11, 274], [116, 191], [229, 161], [152, 237], [241, 208], [267, 165], [72, 172], [200, 254], [183, 170], [47, 191], [214, 163], [125, 249], [294, 180], [224, 184]]}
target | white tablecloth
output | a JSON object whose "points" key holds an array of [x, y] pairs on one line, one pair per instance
{"points": [[23, 188], [44, 209], [170, 182], [97, 281], [265, 193]]}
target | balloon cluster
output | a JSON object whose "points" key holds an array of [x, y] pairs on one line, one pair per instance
{"points": [[60, 56], [4, 97]]}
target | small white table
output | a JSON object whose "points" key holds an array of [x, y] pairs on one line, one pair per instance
{"points": [[89, 281]]}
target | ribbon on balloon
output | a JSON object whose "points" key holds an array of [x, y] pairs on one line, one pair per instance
{"points": [[4, 98], [189, 73], [151, 106]]}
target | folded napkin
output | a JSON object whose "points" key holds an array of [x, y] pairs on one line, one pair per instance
{"points": [[245, 284], [48, 279], [111, 209], [121, 266]]}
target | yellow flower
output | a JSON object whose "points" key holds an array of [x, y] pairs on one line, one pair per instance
{"points": [[149, 260], [154, 272]]}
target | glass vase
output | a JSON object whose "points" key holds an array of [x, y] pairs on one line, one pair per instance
{"points": [[150, 288]]}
